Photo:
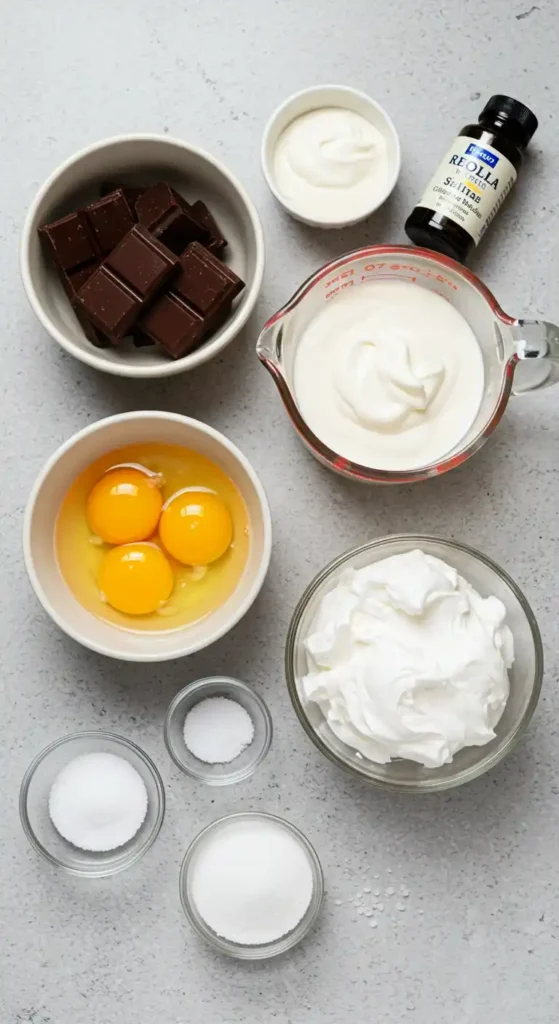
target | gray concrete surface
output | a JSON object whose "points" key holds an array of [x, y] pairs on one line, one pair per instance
{"points": [[477, 941]]}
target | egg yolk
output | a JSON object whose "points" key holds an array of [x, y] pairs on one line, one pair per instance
{"points": [[196, 527], [135, 578], [124, 506]]}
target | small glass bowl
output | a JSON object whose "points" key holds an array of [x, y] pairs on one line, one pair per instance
{"points": [[34, 812], [248, 760], [525, 675], [268, 949]]}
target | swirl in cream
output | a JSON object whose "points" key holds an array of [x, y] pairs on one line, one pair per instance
{"points": [[331, 164], [389, 375], [407, 660]]}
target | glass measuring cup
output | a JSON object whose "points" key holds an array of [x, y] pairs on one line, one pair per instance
{"points": [[518, 355]]}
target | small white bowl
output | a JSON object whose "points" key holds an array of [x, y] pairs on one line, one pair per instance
{"points": [[48, 493], [316, 97], [136, 159]]}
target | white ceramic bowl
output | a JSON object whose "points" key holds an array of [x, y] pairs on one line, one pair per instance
{"points": [[138, 159], [42, 509], [330, 96]]}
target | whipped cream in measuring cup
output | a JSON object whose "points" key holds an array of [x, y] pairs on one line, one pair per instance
{"points": [[389, 375], [331, 164], [407, 660]]}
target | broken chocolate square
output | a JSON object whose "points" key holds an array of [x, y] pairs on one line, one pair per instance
{"points": [[174, 325], [131, 193], [217, 242], [70, 241], [205, 282], [116, 294], [169, 217], [110, 219]]}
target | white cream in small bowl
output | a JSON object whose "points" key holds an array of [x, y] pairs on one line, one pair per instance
{"points": [[330, 156]]}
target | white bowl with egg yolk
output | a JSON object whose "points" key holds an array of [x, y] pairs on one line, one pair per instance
{"points": [[47, 495]]}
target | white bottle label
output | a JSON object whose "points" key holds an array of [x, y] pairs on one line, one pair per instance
{"points": [[470, 185]]}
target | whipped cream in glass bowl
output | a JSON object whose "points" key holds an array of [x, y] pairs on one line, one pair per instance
{"points": [[413, 662], [330, 156]]}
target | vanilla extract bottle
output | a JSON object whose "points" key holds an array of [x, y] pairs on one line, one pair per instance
{"points": [[473, 179]]}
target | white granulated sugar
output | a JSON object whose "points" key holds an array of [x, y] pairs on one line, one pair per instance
{"points": [[98, 802], [390, 891], [217, 730], [373, 924], [251, 881]]}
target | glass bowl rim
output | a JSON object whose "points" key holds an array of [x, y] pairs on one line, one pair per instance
{"points": [[268, 949], [437, 784], [134, 854], [198, 686]]}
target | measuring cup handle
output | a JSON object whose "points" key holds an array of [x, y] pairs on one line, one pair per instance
{"points": [[534, 345]]}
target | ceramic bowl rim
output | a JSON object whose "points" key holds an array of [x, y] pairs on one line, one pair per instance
{"points": [[92, 428], [94, 358], [343, 90]]}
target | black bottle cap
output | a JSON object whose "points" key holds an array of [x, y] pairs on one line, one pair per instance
{"points": [[503, 110]]}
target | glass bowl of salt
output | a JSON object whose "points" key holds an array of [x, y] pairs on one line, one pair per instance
{"points": [[218, 730], [92, 803]]}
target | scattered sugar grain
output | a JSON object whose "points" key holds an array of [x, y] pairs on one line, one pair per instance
{"points": [[400, 906], [377, 892], [373, 924], [367, 889], [390, 891]]}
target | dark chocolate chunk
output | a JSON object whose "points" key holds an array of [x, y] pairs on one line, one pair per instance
{"points": [[110, 219], [169, 217], [131, 193], [174, 325], [140, 339], [70, 241], [116, 294], [197, 301], [205, 282], [217, 242], [109, 303], [72, 283]]}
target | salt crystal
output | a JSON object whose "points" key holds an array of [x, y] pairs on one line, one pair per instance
{"points": [[367, 889], [368, 913], [380, 906], [373, 924], [217, 730], [400, 906], [390, 891], [377, 892], [338, 903]]}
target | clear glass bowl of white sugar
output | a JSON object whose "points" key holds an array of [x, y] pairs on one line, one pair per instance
{"points": [[251, 885], [218, 730], [128, 765]]}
